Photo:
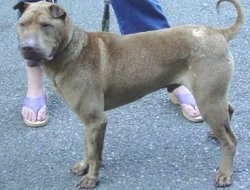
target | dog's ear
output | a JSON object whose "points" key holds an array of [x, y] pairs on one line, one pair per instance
{"points": [[57, 11], [21, 6], [51, 1]]}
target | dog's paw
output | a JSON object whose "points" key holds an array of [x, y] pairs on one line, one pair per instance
{"points": [[223, 178], [80, 168], [87, 182]]}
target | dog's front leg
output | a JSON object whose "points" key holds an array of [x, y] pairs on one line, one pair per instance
{"points": [[95, 127]]}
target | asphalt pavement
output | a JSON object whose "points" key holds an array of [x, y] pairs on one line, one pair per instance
{"points": [[148, 144]]}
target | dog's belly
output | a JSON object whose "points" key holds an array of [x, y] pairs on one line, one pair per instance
{"points": [[121, 100], [116, 98]]}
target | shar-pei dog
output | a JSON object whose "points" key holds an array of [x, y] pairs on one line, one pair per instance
{"points": [[98, 71]]}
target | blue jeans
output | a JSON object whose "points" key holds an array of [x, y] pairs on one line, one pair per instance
{"points": [[139, 15]]}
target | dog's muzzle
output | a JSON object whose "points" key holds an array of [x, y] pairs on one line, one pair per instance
{"points": [[33, 54], [30, 50]]}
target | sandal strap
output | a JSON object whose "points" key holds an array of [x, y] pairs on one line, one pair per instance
{"points": [[186, 99], [35, 103]]}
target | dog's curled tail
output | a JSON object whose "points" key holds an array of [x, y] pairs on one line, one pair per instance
{"points": [[231, 31]]}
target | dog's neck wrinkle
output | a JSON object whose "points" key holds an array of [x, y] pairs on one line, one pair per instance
{"points": [[55, 67], [65, 44], [65, 56]]}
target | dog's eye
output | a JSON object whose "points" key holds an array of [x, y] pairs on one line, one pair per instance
{"points": [[45, 25], [21, 24]]}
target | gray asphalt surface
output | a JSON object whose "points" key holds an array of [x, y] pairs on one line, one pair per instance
{"points": [[148, 144]]}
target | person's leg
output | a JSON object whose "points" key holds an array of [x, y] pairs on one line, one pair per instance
{"points": [[145, 15], [183, 97], [34, 110]]}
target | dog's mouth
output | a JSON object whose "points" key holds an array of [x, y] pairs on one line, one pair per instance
{"points": [[32, 51], [52, 54], [35, 58], [32, 55]]}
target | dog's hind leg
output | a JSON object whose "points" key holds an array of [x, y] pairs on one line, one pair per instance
{"points": [[217, 112], [230, 111]]}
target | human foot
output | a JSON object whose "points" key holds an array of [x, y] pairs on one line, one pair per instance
{"points": [[188, 105], [34, 111]]}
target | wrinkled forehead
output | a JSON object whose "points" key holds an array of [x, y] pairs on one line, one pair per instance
{"points": [[36, 11]]}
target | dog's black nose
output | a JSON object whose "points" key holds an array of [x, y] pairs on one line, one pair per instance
{"points": [[26, 46], [30, 50]]}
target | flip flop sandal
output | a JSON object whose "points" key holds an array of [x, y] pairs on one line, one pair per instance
{"points": [[187, 99], [35, 104]]}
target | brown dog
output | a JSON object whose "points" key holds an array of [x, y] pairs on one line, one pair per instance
{"points": [[96, 71]]}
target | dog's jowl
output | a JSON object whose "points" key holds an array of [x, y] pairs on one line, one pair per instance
{"points": [[95, 72]]}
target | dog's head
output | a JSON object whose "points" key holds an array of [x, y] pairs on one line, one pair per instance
{"points": [[41, 30]]}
